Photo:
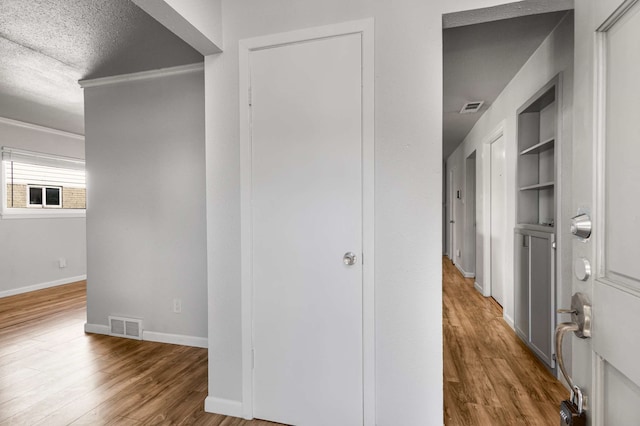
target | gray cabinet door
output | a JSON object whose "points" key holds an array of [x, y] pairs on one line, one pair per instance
{"points": [[535, 291], [541, 297], [522, 286]]}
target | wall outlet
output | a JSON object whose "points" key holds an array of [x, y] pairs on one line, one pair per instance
{"points": [[177, 306], [458, 253], [62, 263]]}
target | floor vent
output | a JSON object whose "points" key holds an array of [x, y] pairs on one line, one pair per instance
{"points": [[130, 328]]}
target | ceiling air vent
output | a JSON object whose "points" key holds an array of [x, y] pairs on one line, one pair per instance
{"points": [[130, 328], [471, 107]]}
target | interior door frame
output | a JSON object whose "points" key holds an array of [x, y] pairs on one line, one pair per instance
{"points": [[364, 27], [496, 134]]}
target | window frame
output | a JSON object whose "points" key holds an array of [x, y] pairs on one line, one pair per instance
{"points": [[35, 211], [44, 204]]}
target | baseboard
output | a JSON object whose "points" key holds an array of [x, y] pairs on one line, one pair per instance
{"points": [[222, 406], [96, 328], [175, 339], [41, 286], [152, 336], [465, 273], [509, 321], [478, 287]]}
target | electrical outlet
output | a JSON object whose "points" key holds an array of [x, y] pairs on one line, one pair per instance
{"points": [[62, 263], [458, 253], [177, 306]]}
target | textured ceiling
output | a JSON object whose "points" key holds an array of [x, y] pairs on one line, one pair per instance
{"points": [[46, 46], [479, 61]]}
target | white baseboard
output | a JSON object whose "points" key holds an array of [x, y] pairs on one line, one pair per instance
{"points": [[222, 406], [175, 339], [152, 336], [478, 287], [96, 328], [27, 289], [465, 273], [509, 321]]}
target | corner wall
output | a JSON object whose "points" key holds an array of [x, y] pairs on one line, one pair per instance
{"points": [[30, 248], [146, 225], [554, 55]]}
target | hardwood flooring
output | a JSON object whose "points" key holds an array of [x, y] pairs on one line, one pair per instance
{"points": [[52, 373], [490, 377]]}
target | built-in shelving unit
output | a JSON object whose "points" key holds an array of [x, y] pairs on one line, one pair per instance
{"points": [[536, 217], [536, 161]]}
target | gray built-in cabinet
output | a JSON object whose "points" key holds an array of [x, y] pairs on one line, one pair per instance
{"points": [[536, 218]]}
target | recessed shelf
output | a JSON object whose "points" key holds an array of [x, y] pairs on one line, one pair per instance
{"points": [[538, 186], [538, 148]]}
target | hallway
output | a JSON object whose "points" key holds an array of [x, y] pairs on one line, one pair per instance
{"points": [[490, 378]]}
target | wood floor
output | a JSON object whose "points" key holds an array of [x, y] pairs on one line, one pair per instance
{"points": [[52, 373], [490, 378]]}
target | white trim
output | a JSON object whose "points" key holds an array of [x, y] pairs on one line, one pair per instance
{"points": [[498, 132], [96, 329], [509, 320], [465, 273], [38, 128], [175, 339], [153, 336], [478, 287], [44, 213], [366, 29], [34, 287], [143, 75], [226, 407]]}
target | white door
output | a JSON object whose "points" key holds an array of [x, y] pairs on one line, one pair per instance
{"points": [[498, 217], [452, 217], [605, 183], [306, 213]]}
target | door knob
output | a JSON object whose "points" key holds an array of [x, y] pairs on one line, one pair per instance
{"points": [[349, 258]]}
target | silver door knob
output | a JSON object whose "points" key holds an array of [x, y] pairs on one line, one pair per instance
{"points": [[349, 258]]}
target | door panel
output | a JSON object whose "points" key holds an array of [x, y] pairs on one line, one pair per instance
{"points": [[306, 213], [622, 151]]}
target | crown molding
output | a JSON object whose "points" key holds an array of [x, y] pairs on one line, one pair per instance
{"points": [[36, 127], [143, 75]]}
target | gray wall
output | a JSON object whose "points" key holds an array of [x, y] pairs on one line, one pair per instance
{"points": [[30, 248], [146, 205]]}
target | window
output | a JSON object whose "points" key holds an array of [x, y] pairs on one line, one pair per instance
{"points": [[44, 196], [36, 184]]}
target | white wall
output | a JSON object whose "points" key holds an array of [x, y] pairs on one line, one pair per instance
{"points": [[146, 225], [408, 173], [30, 248], [554, 55]]}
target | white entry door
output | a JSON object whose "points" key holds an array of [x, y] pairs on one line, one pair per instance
{"points": [[307, 224], [498, 218], [605, 184]]}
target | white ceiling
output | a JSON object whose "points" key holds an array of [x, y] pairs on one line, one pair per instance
{"points": [[481, 56], [46, 46]]}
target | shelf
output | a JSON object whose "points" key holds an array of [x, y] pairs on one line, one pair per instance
{"points": [[538, 186], [538, 148], [536, 227]]}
